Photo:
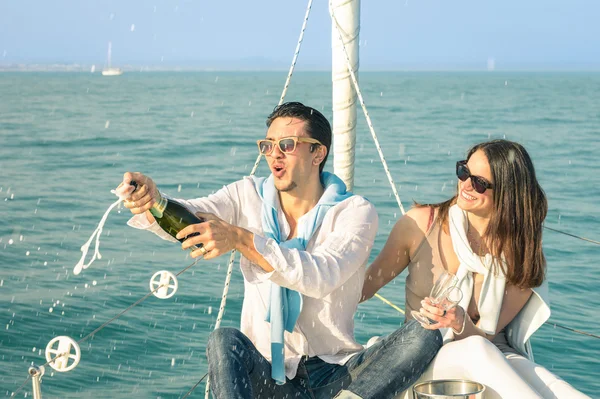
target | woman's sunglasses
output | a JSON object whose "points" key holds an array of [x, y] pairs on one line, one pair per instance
{"points": [[287, 145], [479, 183]]}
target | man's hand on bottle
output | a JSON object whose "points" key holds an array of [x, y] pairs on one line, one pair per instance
{"points": [[144, 196], [216, 236]]}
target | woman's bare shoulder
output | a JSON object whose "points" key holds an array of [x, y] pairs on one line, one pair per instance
{"points": [[420, 215]]}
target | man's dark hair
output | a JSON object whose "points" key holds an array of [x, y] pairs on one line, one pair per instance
{"points": [[317, 126]]}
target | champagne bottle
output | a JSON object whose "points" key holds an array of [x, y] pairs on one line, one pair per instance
{"points": [[172, 216]]}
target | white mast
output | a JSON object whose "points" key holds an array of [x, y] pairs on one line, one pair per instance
{"points": [[109, 51], [346, 13]]}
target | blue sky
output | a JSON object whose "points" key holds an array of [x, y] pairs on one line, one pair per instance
{"points": [[395, 34]]}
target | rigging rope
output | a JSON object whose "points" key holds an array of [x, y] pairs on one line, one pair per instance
{"points": [[572, 235], [21, 387], [131, 306], [232, 257], [195, 386]]}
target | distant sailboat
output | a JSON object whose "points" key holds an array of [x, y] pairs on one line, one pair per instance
{"points": [[109, 71]]}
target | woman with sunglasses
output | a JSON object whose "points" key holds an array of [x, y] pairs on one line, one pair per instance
{"points": [[490, 236]]}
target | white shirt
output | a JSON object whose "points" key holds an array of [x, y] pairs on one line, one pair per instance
{"points": [[329, 274]]}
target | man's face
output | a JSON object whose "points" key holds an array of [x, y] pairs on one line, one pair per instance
{"points": [[290, 170]]}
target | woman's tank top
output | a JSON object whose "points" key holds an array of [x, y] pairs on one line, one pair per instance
{"points": [[423, 270]]}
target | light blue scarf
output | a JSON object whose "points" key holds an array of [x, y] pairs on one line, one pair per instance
{"points": [[285, 304]]}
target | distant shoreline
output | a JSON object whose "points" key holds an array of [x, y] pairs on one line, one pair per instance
{"points": [[149, 69]]}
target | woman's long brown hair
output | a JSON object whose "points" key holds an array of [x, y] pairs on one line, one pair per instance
{"points": [[520, 207]]}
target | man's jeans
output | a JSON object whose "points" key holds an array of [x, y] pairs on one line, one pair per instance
{"points": [[388, 367]]}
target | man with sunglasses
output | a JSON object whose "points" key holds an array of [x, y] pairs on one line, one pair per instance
{"points": [[305, 242]]}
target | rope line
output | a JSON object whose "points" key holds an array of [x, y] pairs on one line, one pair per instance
{"points": [[254, 168], [573, 330], [142, 299], [296, 52], [572, 235], [195, 386], [390, 303], [21, 387], [547, 322], [364, 108]]}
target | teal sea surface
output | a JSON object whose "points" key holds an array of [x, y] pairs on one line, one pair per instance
{"points": [[67, 138]]}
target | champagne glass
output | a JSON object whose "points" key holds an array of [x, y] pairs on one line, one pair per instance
{"points": [[451, 298], [438, 294]]}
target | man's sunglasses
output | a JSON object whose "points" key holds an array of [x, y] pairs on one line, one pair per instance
{"points": [[287, 145], [479, 183]]}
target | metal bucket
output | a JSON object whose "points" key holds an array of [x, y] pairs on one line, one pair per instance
{"points": [[448, 389]]}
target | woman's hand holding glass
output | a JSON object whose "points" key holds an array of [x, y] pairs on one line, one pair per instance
{"points": [[445, 313], [438, 295], [439, 309]]}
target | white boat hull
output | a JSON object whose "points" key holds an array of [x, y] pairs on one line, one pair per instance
{"points": [[112, 72]]}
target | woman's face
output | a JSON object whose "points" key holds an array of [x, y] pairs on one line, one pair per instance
{"points": [[469, 199]]}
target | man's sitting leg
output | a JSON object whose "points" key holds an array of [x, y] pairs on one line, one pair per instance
{"points": [[238, 370], [392, 364]]}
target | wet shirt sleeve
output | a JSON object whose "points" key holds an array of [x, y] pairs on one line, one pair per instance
{"points": [[224, 204]]}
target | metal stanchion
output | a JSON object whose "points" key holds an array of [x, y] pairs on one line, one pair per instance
{"points": [[36, 374]]}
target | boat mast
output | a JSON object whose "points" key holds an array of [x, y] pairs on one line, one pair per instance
{"points": [[109, 51], [346, 13]]}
